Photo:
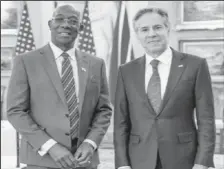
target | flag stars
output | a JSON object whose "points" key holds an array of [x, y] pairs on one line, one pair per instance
{"points": [[86, 43], [25, 40]]}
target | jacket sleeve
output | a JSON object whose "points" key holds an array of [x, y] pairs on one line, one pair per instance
{"points": [[121, 124], [18, 106], [103, 111], [205, 117]]}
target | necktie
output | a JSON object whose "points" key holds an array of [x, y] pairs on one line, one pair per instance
{"points": [[68, 83], [154, 87]]}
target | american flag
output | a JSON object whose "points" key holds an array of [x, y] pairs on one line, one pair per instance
{"points": [[25, 40], [86, 42]]}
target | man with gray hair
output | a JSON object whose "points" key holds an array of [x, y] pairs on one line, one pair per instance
{"points": [[58, 100], [156, 96]]}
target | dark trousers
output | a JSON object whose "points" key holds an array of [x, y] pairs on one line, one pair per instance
{"points": [[74, 145], [158, 163]]}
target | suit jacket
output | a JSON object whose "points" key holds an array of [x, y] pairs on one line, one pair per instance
{"points": [[36, 104], [139, 133]]}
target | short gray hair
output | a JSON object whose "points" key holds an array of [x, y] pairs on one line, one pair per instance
{"points": [[159, 11]]}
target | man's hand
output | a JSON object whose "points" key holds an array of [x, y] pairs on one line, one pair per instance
{"points": [[62, 156], [84, 154], [197, 166]]}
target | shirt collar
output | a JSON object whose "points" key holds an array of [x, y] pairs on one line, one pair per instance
{"points": [[57, 51], [164, 58]]}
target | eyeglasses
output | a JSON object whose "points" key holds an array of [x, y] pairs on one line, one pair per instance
{"points": [[70, 21]]}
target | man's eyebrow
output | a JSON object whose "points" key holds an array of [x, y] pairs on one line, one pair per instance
{"points": [[58, 15], [143, 27], [74, 16], [157, 25]]}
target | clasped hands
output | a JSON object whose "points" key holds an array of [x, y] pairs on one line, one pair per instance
{"points": [[65, 159]]}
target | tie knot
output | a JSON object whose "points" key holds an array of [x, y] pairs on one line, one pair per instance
{"points": [[154, 63], [65, 55]]}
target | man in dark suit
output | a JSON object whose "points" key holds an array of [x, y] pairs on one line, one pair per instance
{"points": [[58, 100], [156, 95]]}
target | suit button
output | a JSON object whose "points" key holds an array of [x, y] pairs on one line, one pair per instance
{"points": [[156, 118], [67, 115], [67, 134]]}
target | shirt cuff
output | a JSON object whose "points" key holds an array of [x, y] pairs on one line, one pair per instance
{"points": [[91, 142], [199, 166], [124, 167], [46, 147]]}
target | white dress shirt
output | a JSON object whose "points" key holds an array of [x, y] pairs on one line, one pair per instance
{"points": [[164, 65], [165, 60], [58, 59]]}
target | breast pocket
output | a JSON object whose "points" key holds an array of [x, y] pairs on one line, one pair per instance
{"points": [[185, 87]]}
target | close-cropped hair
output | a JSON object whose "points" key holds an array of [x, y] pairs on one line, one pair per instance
{"points": [[144, 11]]}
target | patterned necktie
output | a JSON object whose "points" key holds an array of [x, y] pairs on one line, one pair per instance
{"points": [[154, 87], [68, 83]]}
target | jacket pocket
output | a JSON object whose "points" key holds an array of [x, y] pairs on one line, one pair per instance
{"points": [[135, 139], [185, 137]]}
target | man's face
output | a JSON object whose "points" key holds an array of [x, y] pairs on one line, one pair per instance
{"points": [[64, 26], [152, 33]]}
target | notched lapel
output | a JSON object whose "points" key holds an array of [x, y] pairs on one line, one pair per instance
{"points": [[49, 64], [83, 71], [139, 74], [176, 70]]}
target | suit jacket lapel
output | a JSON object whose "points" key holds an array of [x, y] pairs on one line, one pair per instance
{"points": [[176, 70], [49, 64], [83, 71], [139, 74]]}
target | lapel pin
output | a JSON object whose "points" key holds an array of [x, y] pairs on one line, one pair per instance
{"points": [[83, 69], [180, 65]]}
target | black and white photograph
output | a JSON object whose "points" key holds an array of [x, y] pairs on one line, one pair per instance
{"points": [[112, 85]]}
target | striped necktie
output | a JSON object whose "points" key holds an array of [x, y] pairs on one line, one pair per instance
{"points": [[68, 83], [154, 87]]}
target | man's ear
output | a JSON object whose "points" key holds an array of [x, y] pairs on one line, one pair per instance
{"points": [[81, 27], [49, 23]]}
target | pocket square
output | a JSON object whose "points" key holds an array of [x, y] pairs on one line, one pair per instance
{"points": [[180, 65], [83, 69]]}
